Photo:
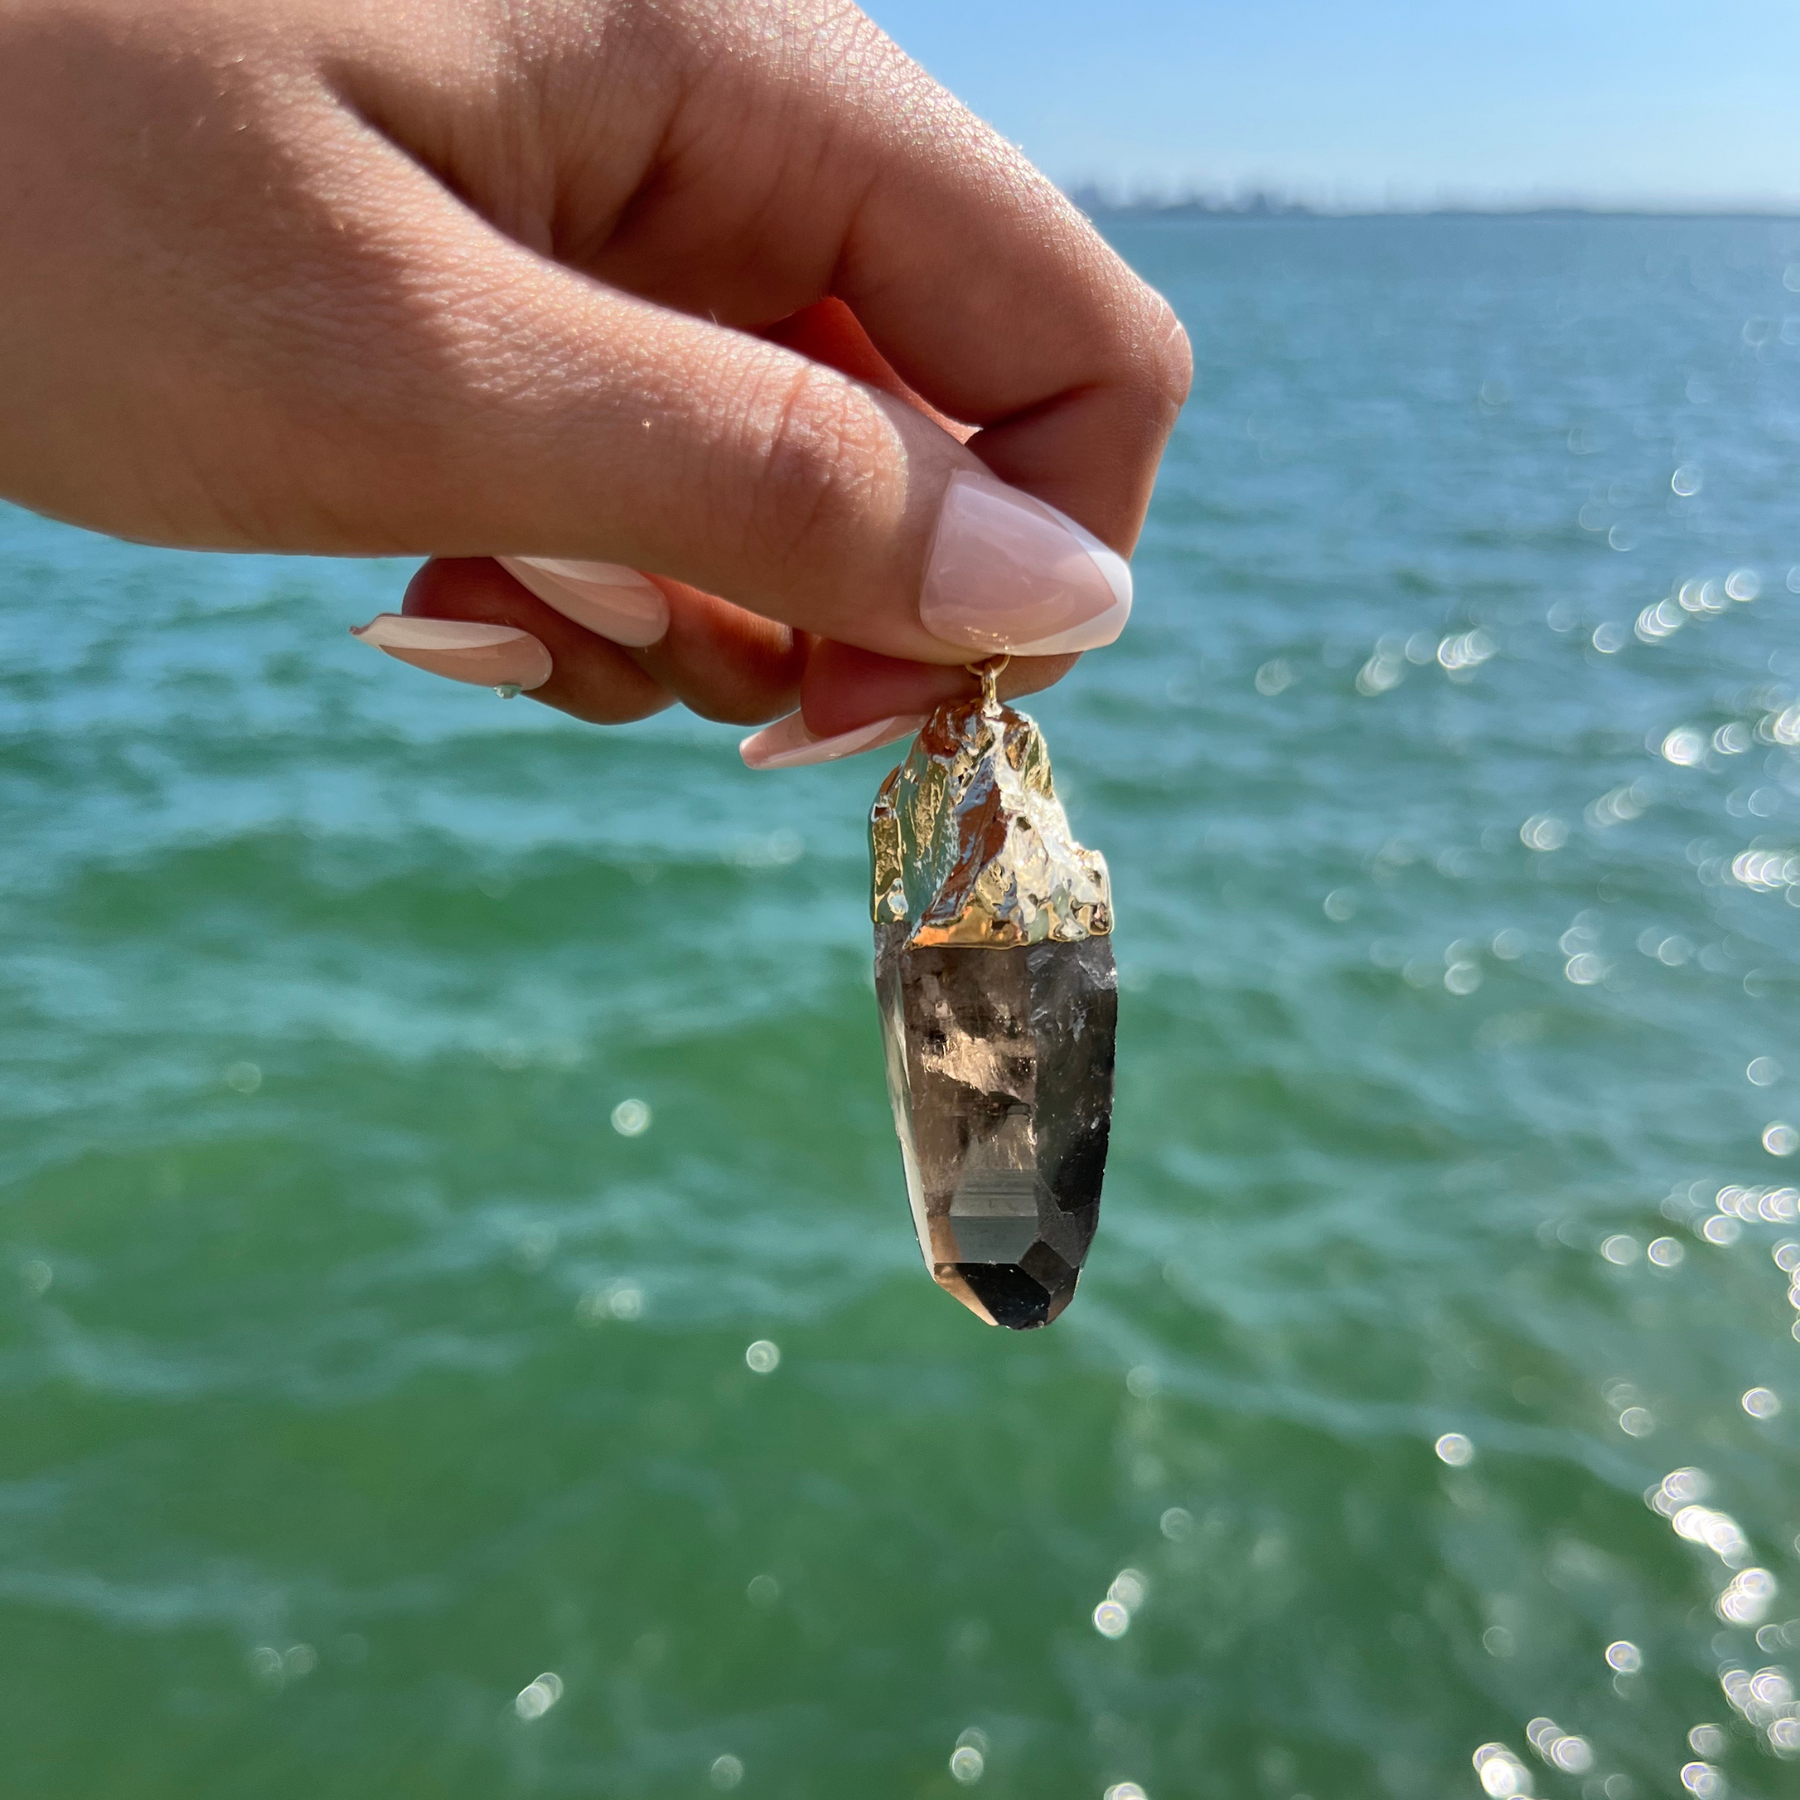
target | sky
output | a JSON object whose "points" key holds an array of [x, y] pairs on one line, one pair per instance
{"points": [[1356, 103]]}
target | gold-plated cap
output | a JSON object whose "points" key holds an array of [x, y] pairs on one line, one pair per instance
{"points": [[969, 843]]}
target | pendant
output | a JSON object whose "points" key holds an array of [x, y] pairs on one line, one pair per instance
{"points": [[999, 1000]]}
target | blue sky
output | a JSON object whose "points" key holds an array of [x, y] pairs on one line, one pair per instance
{"points": [[1385, 101]]}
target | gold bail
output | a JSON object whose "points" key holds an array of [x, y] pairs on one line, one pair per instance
{"points": [[989, 673]]}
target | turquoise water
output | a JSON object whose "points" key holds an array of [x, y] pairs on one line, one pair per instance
{"points": [[357, 1370]]}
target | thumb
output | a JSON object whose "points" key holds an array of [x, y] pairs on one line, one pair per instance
{"points": [[545, 415]]}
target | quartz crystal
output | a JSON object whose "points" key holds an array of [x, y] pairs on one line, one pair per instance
{"points": [[994, 973]]}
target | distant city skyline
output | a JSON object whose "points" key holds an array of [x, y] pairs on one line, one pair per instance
{"points": [[1388, 102]]}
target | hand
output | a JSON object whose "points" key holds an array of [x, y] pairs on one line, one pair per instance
{"points": [[694, 290]]}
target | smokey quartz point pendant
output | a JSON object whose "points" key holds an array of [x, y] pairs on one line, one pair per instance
{"points": [[994, 973]]}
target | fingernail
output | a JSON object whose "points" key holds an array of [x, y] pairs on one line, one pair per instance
{"points": [[1006, 572], [607, 599], [787, 744], [460, 649]]}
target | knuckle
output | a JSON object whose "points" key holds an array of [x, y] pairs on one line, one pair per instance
{"points": [[1159, 358], [1172, 356], [821, 448]]}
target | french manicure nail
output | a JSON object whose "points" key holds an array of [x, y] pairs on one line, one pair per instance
{"points": [[460, 649], [787, 744], [1006, 572], [607, 599]]}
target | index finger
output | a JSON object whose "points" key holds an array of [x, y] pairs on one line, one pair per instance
{"points": [[988, 292]]}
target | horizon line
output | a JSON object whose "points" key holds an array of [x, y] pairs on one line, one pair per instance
{"points": [[1097, 201]]}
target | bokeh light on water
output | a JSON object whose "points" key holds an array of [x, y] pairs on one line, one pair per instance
{"points": [[455, 1232]]}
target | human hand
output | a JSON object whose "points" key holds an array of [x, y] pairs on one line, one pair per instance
{"points": [[693, 289]]}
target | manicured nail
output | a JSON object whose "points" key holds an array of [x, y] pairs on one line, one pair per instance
{"points": [[787, 744], [607, 599], [460, 649], [1006, 572]]}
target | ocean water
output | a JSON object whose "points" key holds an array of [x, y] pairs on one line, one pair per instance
{"points": [[415, 1107]]}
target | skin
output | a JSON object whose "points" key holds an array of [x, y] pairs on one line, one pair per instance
{"points": [[725, 290]]}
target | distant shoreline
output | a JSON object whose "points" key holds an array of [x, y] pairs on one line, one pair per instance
{"points": [[1098, 205]]}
